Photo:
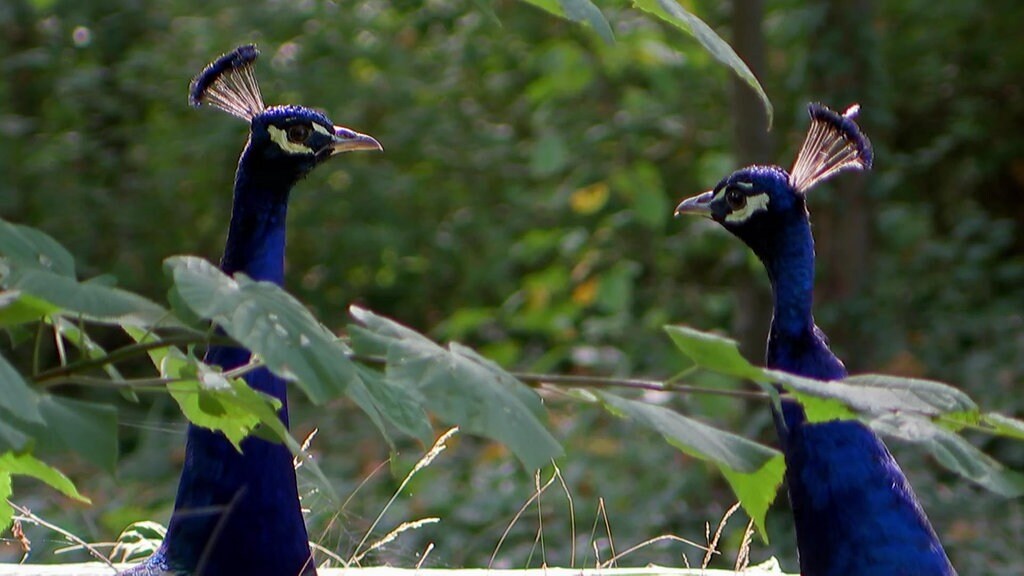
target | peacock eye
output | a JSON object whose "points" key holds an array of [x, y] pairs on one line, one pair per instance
{"points": [[735, 199], [298, 133]]}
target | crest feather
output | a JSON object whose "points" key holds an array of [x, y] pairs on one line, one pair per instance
{"points": [[834, 143], [228, 83]]}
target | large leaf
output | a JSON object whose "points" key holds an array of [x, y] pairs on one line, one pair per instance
{"points": [[461, 387], [753, 471], [401, 406], [27, 248], [270, 323], [953, 452], [875, 394], [16, 397], [92, 300], [25, 465], [19, 308], [715, 353], [582, 11], [88, 429], [672, 12]]}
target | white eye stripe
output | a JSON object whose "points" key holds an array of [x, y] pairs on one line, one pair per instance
{"points": [[755, 204], [280, 137], [321, 129]]}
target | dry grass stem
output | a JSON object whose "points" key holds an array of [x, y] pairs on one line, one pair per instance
{"points": [[438, 447], [713, 543], [522, 509], [610, 562]]}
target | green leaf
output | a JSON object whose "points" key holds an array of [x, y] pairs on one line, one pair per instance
{"points": [[16, 397], [581, 11], [461, 387], [714, 353], [19, 308], [488, 10], [26, 465], [91, 300], [874, 394], [209, 400], [953, 452], [753, 471], [87, 428], [6, 489], [402, 406], [269, 322], [672, 12], [27, 248], [1003, 425]]}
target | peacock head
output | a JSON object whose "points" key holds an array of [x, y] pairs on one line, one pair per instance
{"points": [[292, 138], [757, 199]]}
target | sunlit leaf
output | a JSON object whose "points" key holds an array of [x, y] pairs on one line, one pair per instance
{"points": [[753, 471], [210, 400], [714, 353], [19, 308], [671, 11], [1003, 425]]}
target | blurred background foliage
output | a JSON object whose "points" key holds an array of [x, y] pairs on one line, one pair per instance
{"points": [[523, 206]]}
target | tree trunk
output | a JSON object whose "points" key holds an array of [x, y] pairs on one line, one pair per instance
{"points": [[753, 146], [842, 71]]}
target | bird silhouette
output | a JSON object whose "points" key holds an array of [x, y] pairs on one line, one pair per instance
{"points": [[238, 512], [854, 511]]}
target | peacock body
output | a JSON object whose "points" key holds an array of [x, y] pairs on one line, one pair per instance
{"points": [[238, 512], [854, 511]]}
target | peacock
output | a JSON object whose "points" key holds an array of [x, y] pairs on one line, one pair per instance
{"points": [[238, 513], [854, 511]]}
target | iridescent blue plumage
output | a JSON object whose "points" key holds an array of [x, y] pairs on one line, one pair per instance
{"points": [[239, 513], [855, 513]]}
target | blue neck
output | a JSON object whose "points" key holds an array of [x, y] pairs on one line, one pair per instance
{"points": [[854, 511], [239, 513]]}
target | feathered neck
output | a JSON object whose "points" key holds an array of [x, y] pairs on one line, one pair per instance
{"points": [[239, 513], [855, 512], [256, 236]]}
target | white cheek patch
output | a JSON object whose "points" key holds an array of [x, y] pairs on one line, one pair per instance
{"points": [[280, 138], [755, 204]]}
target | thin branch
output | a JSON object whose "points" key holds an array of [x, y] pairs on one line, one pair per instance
{"points": [[579, 381], [635, 383], [127, 352]]}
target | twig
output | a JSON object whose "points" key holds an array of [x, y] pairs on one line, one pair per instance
{"points": [[127, 352], [26, 515], [608, 563]]}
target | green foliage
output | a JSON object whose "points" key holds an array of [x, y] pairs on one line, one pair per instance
{"points": [[569, 269], [753, 471], [672, 12], [460, 386]]}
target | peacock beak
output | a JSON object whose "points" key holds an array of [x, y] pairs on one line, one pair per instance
{"points": [[699, 204], [346, 140]]}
